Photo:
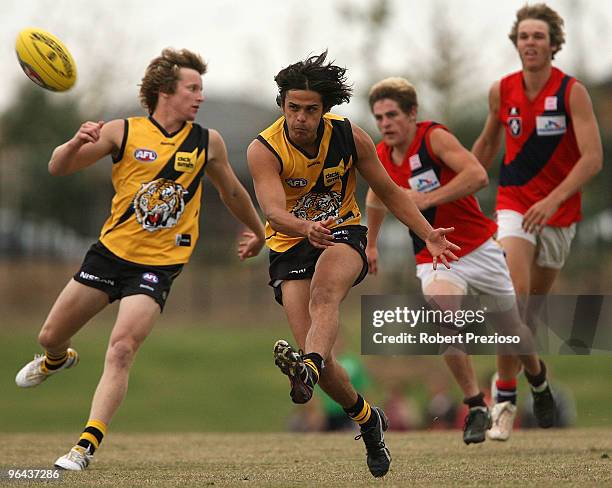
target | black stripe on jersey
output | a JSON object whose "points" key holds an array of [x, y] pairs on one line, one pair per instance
{"points": [[119, 155], [191, 189], [348, 133], [428, 162], [345, 132], [341, 145], [272, 150], [536, 151], [197, 137]]}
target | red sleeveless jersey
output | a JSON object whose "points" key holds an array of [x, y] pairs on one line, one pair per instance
{"points": [[541, 146], [421, 170]]}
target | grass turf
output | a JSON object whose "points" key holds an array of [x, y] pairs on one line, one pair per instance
{"points": [[572, 457]]}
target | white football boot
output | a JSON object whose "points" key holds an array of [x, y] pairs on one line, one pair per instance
{"points": [[77, 459], [35, 372], [502, 415]]}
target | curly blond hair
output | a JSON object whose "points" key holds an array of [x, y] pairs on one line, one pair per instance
{"points": [[162, 74]]}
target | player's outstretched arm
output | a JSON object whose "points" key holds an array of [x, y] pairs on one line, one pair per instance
{"points": [[265, 169], [92, 142], [234, 196], [398, 201], [488, 143]]}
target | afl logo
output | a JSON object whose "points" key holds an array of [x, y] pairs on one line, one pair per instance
{"points": [[150, 277], [296, 182], [145, 155]]}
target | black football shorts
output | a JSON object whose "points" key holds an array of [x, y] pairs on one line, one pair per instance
{"points": [[298, 263], [119, 278]]}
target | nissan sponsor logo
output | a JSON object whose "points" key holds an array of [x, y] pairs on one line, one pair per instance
{"points": [[90, 277]]}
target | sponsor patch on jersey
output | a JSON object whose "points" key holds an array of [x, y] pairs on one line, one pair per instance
{"points": [[425, 181], [296, 182], [550, 103], [515, 125], [186, 162], [150, 277], [145, 155], [183, 240], [415, 162], [331, 175], [550, 125]]}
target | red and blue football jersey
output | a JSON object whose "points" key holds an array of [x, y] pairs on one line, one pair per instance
{"points": [[422, 170], [541, 146]]}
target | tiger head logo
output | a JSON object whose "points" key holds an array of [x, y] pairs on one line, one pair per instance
{"points": [[159, 204], [318, 206]]}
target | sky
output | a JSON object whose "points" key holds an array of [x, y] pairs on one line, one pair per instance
{"points": [[247, 42]]}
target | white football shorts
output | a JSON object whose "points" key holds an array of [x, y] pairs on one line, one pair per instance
{"points": [[481, 272], [552, 243]]}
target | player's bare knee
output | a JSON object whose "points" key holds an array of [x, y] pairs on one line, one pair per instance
{"points": [[48, 338], [121, 353], [322, 295]]}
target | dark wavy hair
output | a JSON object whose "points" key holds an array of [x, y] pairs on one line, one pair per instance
{"points": [[328, 80], [162, 74]]}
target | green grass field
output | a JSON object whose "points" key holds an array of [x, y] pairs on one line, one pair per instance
{"points": [[573, 457], [213, 379], [205, 406]]}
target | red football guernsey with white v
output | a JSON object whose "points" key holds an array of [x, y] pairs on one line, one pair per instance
{"points": [[421, 170], [541, 146]]}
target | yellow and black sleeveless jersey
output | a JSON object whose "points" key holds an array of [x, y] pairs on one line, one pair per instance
{"points": [[317, 187], [157, 179]]}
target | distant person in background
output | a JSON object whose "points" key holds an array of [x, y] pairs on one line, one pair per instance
{"points": [[303, 167], [403, 413], [440, 176], [159, 162], [552, 149]]}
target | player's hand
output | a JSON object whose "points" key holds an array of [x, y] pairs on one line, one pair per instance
{"points": [[88, 132], [319, 234], [372, 254], [249, 245], [420, 199], [538, 215], [440, 248]]}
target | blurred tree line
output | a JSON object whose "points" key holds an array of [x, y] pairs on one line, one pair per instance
{"points": [[31, 127], [448, 88]]}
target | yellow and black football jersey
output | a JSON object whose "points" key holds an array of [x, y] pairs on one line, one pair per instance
{"points": [[319, 187], [157, 179]]}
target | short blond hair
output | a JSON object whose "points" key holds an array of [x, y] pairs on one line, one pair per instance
{"points": [[541, 11], [397, 89]]}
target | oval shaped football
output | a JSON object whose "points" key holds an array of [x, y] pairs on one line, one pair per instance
{"points": [[45, 59]]}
